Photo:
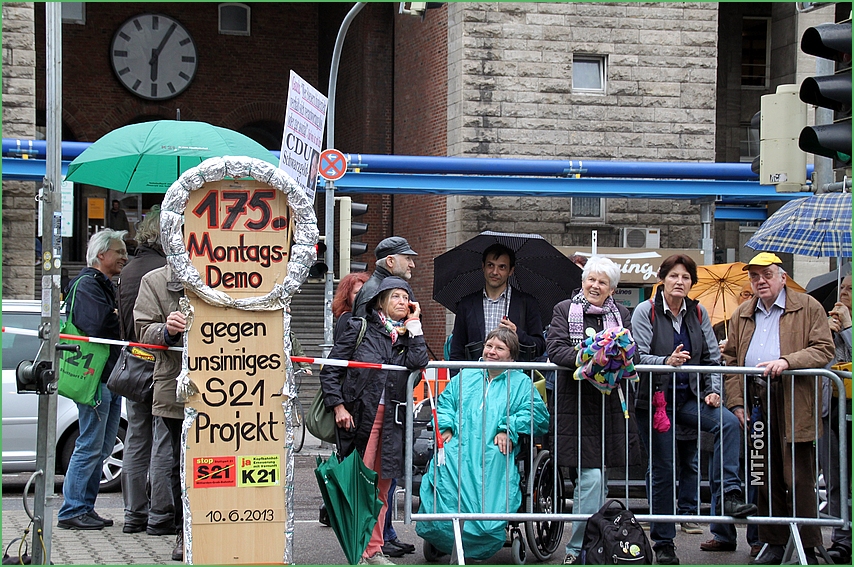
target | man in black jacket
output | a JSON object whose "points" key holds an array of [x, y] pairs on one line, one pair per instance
{"points": [[394, 258], [92, 300], [497, 305]]}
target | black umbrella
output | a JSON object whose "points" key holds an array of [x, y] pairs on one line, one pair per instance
{"points": [[541, 270], [825, 287]]}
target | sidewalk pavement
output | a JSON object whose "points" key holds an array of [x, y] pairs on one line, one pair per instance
{"points": [[110, 546]]}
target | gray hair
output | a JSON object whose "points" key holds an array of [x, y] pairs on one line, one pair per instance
{"points": [[602, 265], [148, 230], [100, 243]]}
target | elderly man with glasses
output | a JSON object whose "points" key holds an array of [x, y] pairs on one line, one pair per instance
{"points": [[780, 330], [93, 311]]}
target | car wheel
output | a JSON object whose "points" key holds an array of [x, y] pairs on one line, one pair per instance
{"points": [[111, 474]]}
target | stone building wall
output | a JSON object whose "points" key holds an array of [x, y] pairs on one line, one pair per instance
{"points": [[19, 121], [510, 95]]}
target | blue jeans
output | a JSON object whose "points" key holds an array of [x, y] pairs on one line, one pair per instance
{"points": [[726, 532], [98, 427], [689, 470], [721, 423], [388, 530], [591, 487]]}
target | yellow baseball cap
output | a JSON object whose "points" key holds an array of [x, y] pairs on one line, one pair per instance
{"points": [[763, 259]]}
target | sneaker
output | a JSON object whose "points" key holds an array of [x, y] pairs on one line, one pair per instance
{"points": [[666, 555], [178, 551], [736, 507], [571, 559], [81, 522], [93, 514], [376, 559], [691, 528], [755, 549]]}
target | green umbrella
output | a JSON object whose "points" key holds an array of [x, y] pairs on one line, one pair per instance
{"points": [[349, 490], [149, 157]]}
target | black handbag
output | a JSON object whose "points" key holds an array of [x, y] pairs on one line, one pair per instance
{"points": [[133, 374]]}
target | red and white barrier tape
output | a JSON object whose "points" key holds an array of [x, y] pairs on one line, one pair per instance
{"points": [[309, 360]]}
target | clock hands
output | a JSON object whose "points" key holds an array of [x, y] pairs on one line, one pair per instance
{"points": [[155, 53]]}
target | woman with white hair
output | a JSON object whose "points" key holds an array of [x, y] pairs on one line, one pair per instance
{"points": [[592, 432]]}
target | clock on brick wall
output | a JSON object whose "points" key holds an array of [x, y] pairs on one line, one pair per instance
{"points": [[153, 56]]}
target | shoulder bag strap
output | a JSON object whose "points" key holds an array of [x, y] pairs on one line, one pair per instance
{"points": [[119, 309]]}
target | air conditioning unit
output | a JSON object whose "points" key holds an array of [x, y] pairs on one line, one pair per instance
{"points": [[641, 237]]}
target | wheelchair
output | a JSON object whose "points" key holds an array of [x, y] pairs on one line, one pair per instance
{"points": [[539, 493]]}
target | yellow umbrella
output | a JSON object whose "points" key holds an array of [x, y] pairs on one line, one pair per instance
{"points": [[719, 285]]}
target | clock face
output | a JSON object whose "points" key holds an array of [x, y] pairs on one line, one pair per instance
{"points": [[153, 56]]}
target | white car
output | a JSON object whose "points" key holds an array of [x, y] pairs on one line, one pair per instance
{"points": [[20, 411]]}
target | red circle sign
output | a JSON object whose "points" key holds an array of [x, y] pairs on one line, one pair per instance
{"points": [[333, 165]]}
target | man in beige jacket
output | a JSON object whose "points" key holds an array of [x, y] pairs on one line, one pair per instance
{"points": [[778, 330]]}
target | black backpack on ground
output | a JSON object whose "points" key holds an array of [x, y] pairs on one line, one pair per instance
{"points": [[613, 536]]}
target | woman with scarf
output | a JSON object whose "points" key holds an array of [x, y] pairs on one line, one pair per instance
{"points": [[366, 402], [581, 410]]}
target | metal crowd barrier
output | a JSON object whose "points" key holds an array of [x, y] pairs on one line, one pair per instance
{"points": [[751, 442]]}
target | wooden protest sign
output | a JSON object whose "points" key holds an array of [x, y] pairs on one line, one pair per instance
{"points": [[237, 234]]}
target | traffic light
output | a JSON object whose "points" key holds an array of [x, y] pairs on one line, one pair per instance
{"points": [[348, 229], [833, 42], [781, 163], [319, 268]]}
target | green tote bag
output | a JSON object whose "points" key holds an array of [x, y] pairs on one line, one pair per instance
{"points": [[80, 372]]}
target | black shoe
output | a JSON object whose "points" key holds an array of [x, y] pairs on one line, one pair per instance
{"points": [[809, 554], [666, 555], [773, 555], [323, 518], [734, 506], [392, 550], [160, 530], [133, 528], [839, 555], [81, 522], [106, 521], [178, 552], [406, 547]]}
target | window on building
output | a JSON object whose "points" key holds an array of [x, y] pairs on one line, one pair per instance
{"points": [[586, 209], [755, 52], [589, 73], [234, 19], [748, 143], [74, 13]]}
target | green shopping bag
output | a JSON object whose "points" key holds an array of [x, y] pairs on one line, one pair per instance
{"points": [[80, 372]]}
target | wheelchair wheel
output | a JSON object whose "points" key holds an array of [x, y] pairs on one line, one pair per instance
{"points": [[544, 536], [299, 428], [431, 554], [517, 549]]}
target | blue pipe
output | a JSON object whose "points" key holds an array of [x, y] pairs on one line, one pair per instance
{"points": [[376, 163]]}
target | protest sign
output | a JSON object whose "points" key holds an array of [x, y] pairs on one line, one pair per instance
{"points": [[302, 138]]}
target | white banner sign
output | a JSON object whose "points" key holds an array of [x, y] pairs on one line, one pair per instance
{"points": [[303, 135]]}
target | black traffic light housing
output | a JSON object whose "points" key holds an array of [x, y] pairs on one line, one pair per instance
{"points": [[348, 229], [833, 42], [319, 268]]}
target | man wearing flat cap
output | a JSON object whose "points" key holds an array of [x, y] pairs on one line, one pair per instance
{"points": [[778, 330], [394, 258]]}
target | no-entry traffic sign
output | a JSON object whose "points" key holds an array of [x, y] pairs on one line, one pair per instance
{"points": [[333, 165]]}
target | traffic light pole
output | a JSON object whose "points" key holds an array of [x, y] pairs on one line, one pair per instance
{"points": [[51, 264]]}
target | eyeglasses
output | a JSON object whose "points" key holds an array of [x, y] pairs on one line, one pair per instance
{"points": [[746, 294], [766, 275], [120, 251]]}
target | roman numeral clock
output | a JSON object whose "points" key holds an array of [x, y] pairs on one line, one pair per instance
{"points": [[153, 56]]}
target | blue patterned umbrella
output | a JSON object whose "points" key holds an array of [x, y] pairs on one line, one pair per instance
{"points": [[814, 226]]}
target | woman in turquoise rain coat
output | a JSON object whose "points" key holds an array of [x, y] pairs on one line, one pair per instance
{"points": [[481, 430]]}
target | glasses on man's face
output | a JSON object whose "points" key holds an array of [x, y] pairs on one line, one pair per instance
{"points": [[766, 275], [120, 251], [746, 295]]}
